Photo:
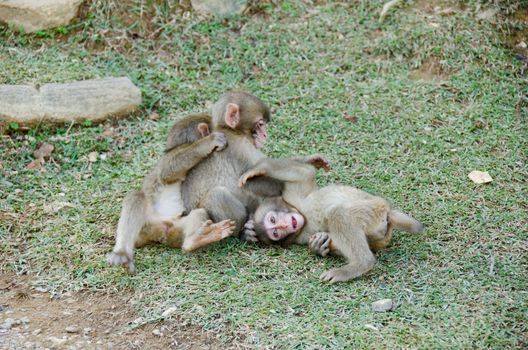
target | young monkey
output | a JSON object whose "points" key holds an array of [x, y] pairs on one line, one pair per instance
{"points": [[342, 220], [154, 214]]}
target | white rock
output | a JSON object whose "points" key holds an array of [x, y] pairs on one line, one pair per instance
{"points": [[77, 101], [169, 312], [57, 341], [157, 332], [220, 8], [382, 305], [35, 15], [72, 329]]}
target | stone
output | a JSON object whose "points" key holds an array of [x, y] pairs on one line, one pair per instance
{"points": [[382, 305], [35, 15], [169, 312], [58, 342], [9, 323], [72, 329], [219, 8], [92, 100]]}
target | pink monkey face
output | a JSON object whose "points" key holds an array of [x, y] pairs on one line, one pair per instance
{"points": [[259, 133], [280, 224]]}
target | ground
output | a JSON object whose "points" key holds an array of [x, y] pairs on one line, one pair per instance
{"points": [[405, 109]]}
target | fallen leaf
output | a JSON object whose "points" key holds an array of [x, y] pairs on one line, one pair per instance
{"points": [[480, 177], [36, 164], [154, 116], [108, 133], [44, 151], [57, 206], [92, 157], [351, 118]]}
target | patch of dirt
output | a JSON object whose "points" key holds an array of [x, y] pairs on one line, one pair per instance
{"points": [[431, 69], [31, 319]]}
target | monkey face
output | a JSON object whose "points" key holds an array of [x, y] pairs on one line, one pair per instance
{"points": [[280, 224], [259, 133], [275, 220]]}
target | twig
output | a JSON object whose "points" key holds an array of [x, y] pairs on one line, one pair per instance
{"points": [[386, 8]]}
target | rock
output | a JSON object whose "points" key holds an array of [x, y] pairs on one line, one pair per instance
{"points": [[82, 100], [169, 312], [72, 329], [157, 332], [220, 8], [58, 342], [37, 331], [487, 14], [35, 15], [24, 319], [382, 305], [9, 323]]}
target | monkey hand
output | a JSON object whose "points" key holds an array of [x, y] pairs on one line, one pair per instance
{"points": [[122, 258], [249, 175], [219, 141], [320, 243], [248, 232], [319, 162]]}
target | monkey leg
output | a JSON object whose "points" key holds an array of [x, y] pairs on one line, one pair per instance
{"points": [[199, 231], [350, 241], [221, 205], [131, 222]]}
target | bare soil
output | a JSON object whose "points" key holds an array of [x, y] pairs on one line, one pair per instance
{"points": [[33, 319]]}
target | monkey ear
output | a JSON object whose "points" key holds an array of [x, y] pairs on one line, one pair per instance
{"points": [[232, 115], [203, 129]]}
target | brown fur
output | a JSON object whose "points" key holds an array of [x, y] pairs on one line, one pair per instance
{"points": [[356, 222], [154, 214], [212, 184]]}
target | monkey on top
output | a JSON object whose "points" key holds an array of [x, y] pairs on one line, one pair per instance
{"points": [[198, 175], [341, 220]]}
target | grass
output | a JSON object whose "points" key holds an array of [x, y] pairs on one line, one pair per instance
{"points": [[461, 284]]}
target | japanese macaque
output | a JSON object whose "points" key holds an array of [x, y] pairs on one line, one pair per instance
{"points": [[213, 183], [155, 213], [342, 220]]}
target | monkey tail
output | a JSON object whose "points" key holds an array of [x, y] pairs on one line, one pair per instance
{"points": [[404, 222]]}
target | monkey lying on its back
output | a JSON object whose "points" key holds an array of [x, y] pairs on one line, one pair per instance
{"points": [[154, 214], [342, 220]]}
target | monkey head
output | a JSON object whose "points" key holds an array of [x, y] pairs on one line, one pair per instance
{"points": [[276, 222], [243, 113]]}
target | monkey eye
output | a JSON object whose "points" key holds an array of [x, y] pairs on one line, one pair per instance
{"points": [[272, 219]]}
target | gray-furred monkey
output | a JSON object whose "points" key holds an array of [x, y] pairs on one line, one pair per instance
{"points": [[213, 183], [342, 220], [154, 213]]}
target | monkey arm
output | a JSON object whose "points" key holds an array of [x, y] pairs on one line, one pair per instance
{"points": [[287, 170], [175, 164]]}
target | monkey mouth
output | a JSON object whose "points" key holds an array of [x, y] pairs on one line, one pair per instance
{"points": [[294, 223]]}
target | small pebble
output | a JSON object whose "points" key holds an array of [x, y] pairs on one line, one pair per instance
{"points": [[382, 305], [157, 332], [169, 312], [57, 341], [37, 331], [72, 329]]}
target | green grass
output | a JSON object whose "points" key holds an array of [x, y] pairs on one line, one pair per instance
{"points": [[460, 284]]}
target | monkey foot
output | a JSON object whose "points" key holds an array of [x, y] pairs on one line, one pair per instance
{"points": [[122, 258], [249, 175], [340, 274], [320, 243], [223, 229], [319, 162]]}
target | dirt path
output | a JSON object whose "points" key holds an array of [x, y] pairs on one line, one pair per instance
{"points": [[31, 319]]}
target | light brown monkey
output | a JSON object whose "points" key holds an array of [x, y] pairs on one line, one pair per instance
{"points": [[213, 184], [155, 213], [342, 220]]}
